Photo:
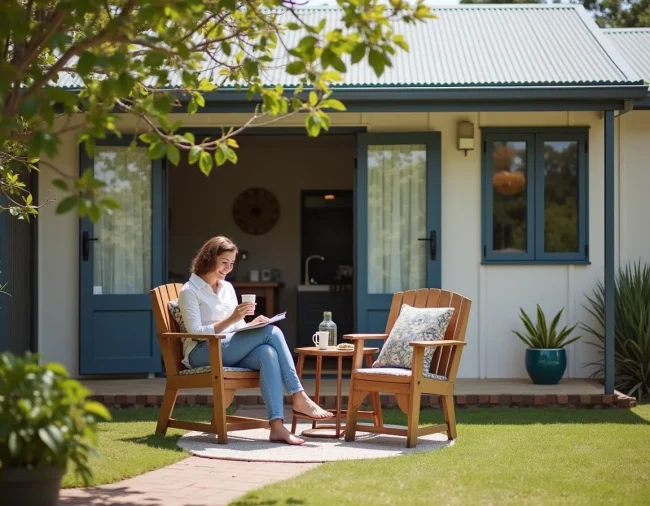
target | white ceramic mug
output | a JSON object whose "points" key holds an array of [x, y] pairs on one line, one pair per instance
{"points": [[249, 298], [321, 339]]}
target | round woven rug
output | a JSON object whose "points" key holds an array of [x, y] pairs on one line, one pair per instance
{"points": [[254, 446]]}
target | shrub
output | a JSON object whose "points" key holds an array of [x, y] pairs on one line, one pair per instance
{"points": [[631, 330], [542, 336], [45, 418]]}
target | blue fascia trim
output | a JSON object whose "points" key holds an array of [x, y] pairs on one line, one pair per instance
{"points": [[576, 130], [643, 105], [505, 97], [487, 261], [440, 106], [507, 93], [214, 131], [535, 253]]}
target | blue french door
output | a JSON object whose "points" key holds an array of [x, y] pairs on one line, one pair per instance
{"points": [[397, 214], [121, 259]]}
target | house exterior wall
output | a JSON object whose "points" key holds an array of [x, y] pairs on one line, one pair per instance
{"points": [[497, 290], [284, 166]]}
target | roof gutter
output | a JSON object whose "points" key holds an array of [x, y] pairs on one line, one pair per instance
{"points": [[411, 99]]}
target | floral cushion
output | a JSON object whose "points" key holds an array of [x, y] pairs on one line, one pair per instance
{"points": [[413, 324], [206, 368], [175, 311], [397, 371]]}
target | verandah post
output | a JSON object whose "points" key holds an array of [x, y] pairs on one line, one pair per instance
{"points": [[609, 252]]}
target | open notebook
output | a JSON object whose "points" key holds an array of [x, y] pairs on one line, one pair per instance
{"points": [[274, 319]]}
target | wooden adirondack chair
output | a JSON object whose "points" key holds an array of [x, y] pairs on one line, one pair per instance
{"points": [[410, 384], [223, 380]]}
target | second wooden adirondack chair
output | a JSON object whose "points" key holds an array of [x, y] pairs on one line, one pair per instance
{"points": [[409, 384]]}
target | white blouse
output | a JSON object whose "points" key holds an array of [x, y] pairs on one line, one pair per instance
{"points": [[202, 307]]}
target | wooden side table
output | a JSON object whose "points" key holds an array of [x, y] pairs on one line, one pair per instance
{"points": [[332, 351]]}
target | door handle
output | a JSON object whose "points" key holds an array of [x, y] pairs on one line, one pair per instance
{"points": [[433, 244], [85, 245]]}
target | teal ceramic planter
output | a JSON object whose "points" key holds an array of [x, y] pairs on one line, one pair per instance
{"points": [[545, 367]]}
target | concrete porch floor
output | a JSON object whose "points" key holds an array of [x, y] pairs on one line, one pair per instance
{"points": [[156, 386], [581, 393]]}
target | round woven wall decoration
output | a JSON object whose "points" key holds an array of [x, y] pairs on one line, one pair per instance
{"points": [[256, 211]]}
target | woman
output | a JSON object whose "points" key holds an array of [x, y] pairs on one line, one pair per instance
{"points": [[209, 306]]}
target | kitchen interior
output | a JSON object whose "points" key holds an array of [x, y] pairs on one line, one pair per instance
{"points": [[288, 205]]}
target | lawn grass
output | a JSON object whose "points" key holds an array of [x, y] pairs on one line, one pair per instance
{"points": [[127, 445], [502, 456]]}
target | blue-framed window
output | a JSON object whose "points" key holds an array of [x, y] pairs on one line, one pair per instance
{"points": [[535, 195]]}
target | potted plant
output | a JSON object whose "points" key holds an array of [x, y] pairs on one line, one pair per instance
{"points": [[545, 355], [46, 421]]}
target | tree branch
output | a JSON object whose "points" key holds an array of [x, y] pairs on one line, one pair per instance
{"points": [[74, 50]]}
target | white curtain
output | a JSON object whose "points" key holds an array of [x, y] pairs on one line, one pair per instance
{"points": [[396, 218], [123, 250]]}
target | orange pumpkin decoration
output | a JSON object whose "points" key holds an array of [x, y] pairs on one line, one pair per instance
{"points": [[509, 183], [505, 180]]}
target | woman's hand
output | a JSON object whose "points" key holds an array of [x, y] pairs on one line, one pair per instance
{"points": [[260, 319], [243, 309]]}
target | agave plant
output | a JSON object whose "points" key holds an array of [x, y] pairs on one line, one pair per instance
{"points": [[542, 336], [631, 330]]}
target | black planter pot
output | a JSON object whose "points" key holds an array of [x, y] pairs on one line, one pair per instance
{"points": [[545, 367], [30, 487]]}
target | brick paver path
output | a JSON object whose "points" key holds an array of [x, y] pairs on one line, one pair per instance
{"points": [[192, 482]]}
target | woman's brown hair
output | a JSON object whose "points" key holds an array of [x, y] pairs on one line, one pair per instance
{"points": [[205, 260]]}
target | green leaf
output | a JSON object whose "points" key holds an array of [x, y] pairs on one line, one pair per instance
{"points": [[358, 53], [67, 204], [195, 152], [205, 85], [149, 137], [205, 163], [86, 63], [97, 409], [332, 103], [94, 213], [401, 42], [313, 98], [50, 437], [219, 157], [60, 184], [14, 444], [173, 154], [157, 150], [200, 99], [296, 68], [110, 203], [377, 61]]}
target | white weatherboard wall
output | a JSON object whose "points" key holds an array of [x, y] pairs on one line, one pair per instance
{"points": [[497, 291]]}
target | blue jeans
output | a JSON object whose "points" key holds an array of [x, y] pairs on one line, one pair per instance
{"points": [[264, 350]]}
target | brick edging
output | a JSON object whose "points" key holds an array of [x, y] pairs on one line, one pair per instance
{"points": [[617, 400]]}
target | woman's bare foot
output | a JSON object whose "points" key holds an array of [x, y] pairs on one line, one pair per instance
{"points": [[304, 405], [280, 433]]}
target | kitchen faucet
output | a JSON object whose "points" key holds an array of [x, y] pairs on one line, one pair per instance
{"points": [[307, 266]]}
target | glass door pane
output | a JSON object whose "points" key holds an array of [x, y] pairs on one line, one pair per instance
{"points": [[397, 217], [509, 197], [122, 249]]}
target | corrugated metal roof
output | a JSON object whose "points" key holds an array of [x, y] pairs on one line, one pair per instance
{"points": [[479, 46], [633, 45]]}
